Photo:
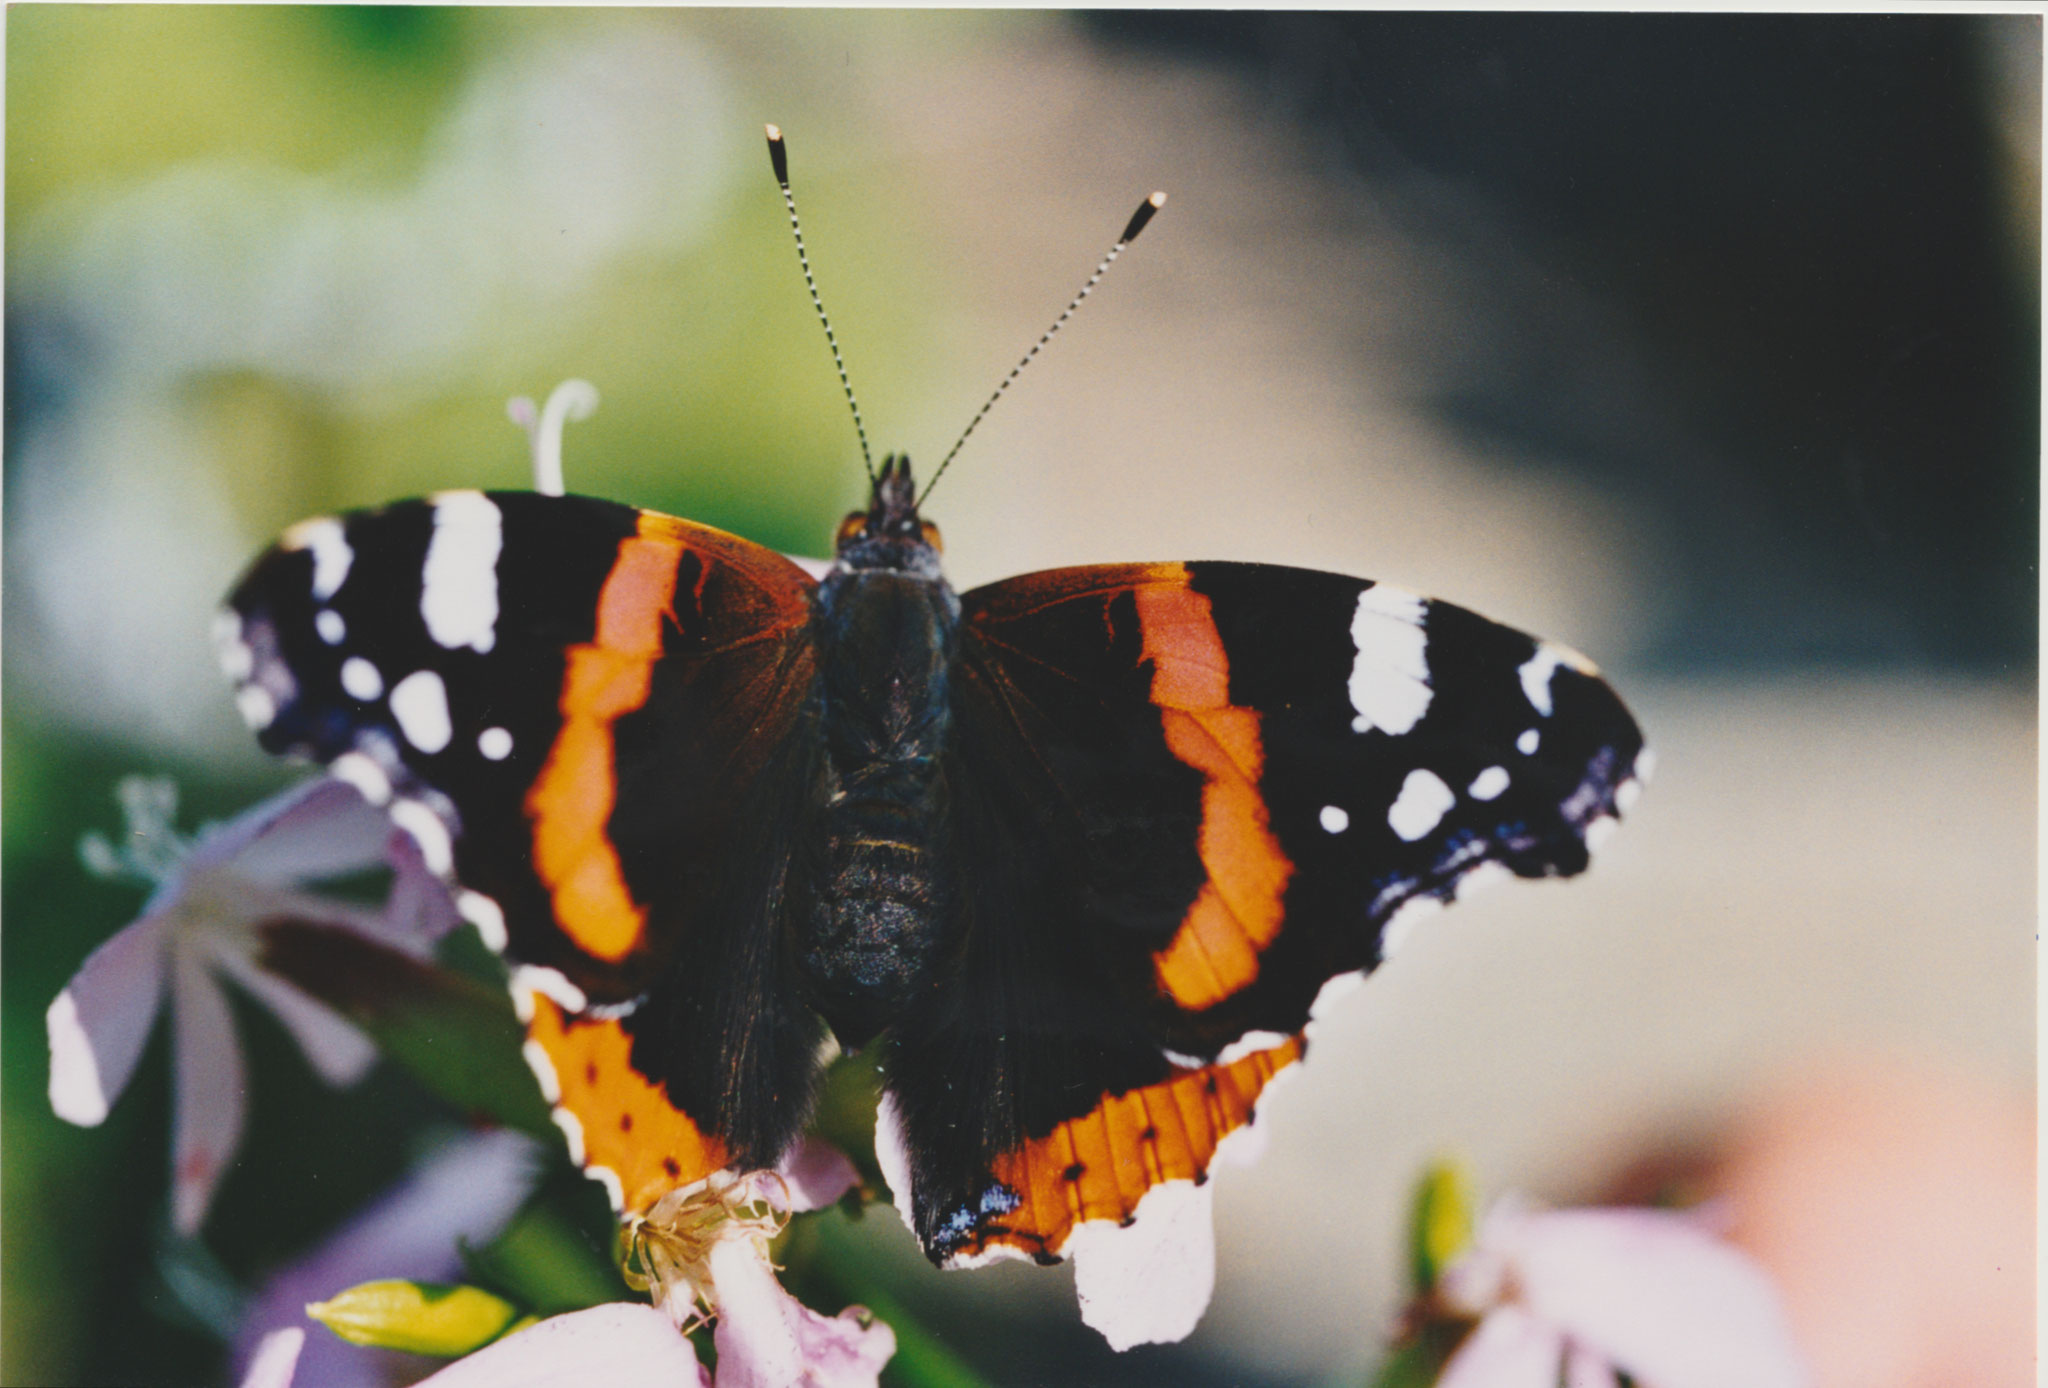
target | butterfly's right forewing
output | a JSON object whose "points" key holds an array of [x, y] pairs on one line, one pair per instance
{"points": [[594, 719]]}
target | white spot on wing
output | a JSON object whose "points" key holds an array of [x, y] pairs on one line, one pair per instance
{"points": [[420, 703], [1390, 676], [256, 706], [1251, 1043], [1420, 806], [543, 1071], [1482, 877], [991, 1253], [331, 553], [1334, 991], [459, 581], [1646, 764], [1401, 924], [1600, 830], [494, 743], [1536, 672], [572, 1130], [428, 832], [236, 659], [1626, 794], [1148, 1283], [614, 1190], [364, 774], [331, 627], [1489, 783], [1528, 742], [360, 679], [76, 1093], [486, 915], [893, 1156], [1334, 820], [549, 983], [1245, 1144]]}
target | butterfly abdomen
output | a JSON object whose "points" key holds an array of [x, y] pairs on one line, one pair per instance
{"points": [[884, 909]]}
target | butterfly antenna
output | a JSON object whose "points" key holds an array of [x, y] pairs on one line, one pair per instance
{"points": [[779, 157], [1137, 224]]}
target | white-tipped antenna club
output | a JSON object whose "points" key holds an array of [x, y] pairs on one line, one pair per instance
{"points": [[1144, 214], [778, 156]]}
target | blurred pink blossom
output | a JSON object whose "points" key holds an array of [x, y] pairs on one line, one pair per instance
{"points": [[462, 1193], [202, 924], [1589, 1293]]}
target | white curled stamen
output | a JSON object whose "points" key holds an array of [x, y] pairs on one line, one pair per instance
{"points": [[572, 399]]}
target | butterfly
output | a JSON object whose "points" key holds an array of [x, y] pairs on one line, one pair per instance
{"points": [[1079, 855]]}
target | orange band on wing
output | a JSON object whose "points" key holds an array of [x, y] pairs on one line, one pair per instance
{"points": [[1215, 952], [1098, 1166], [627, 1126], [571, 803]]}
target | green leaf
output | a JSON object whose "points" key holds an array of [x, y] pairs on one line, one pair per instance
{"points": [[456, 1034], [1440, 1222], [545, 1261], [417, 1317], [1419, 1361], [845, 1115]]}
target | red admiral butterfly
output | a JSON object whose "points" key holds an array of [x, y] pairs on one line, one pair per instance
{"points": [[1080, 852]]}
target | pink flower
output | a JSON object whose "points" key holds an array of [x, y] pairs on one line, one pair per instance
{"points": [[201, 924], [766, 1339], [463, 1193], [617, 1343], [1655, 1294], [704, 1253]]}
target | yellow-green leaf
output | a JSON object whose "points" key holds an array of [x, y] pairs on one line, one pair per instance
{"points": [[1440, 1224], [417, 1317]]}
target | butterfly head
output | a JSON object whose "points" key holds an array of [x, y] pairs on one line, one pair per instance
{"points": [[889, 534]]}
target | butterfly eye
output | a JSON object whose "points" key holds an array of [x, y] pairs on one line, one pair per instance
{"points": [[851, 529], [931, 536]]}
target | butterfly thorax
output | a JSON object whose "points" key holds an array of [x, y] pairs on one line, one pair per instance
{"points": [[886, 628]]}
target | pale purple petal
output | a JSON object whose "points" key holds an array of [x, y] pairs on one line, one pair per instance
{"points": [[420, 909], [1588, 1368], [766, 1338], [1657, 1294], [467, 1190], [100, 1022], [815, 1173], [276, 1359], [816, 568], [1510, 1349], [619, 1343], [337, 1050], [318, 828], [207, 1103]]}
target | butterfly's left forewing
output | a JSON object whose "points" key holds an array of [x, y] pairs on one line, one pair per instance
{"points": [[1211, 790], [592, 719]]}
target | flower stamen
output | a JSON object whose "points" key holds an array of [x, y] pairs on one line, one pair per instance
{"points": [[667, 1251], [572, 399]]}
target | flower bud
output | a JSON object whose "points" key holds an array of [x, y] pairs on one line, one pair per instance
{"points": [[417, 1317]]}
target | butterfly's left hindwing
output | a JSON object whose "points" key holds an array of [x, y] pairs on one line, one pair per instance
{"points": [[594, 720], [1197, 795]]}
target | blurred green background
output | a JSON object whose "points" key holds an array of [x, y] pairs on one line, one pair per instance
{"points": [[1706, 343]]}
